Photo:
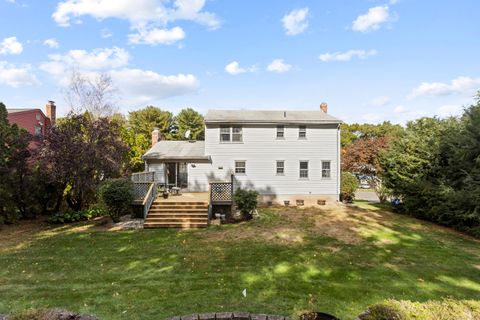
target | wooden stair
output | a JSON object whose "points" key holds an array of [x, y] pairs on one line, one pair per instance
{"points": [[184, 215]]}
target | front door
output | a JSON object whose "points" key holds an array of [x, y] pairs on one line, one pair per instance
{"points": [[177, 174]]}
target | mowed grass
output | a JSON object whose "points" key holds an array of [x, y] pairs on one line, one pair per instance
{"points": [[336, 260]]}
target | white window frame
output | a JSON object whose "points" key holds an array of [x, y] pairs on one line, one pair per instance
{"points": [[329, 169], [37, 130], [280, 129], [278, 167], [239, 133], [300, 169], [233, 131], [238, 167], [223, 132], [302, 130]]}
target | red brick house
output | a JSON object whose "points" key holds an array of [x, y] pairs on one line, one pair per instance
{"points": [[34, 120]]}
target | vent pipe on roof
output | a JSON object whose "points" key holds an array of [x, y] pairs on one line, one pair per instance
{"points": [[324, 107]]}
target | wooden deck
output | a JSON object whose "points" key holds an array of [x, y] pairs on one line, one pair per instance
{"points": [[185, 211], [185, 197]]}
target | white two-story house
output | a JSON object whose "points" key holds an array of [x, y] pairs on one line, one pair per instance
{"points": [[284, 155]]}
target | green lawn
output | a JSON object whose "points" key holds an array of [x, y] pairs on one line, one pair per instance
{"points": [[338, 261]]}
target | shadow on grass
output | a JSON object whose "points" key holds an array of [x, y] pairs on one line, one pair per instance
{"points": [[156, 274]]}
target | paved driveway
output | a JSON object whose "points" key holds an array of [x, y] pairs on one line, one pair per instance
{"points": [[366, 195]]}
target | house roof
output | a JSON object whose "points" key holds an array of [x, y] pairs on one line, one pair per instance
{"points": [[269, 116], [177, 150], [16, 110]]}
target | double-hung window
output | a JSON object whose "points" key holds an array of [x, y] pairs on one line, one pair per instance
{"points": [[303, 169], [326, 170], [224, 134], [231, 134], [237, 134], [280, 132], [240, 167], [302, 132], [280, 167]]}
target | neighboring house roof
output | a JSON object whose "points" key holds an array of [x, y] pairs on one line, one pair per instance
{"points": [[15, 110], [268, 116], [177, 150]]}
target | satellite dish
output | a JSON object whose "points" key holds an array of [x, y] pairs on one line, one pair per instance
{"points": [[187, 134]]}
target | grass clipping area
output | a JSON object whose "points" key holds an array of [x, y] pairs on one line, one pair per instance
{"points": [[447, 309], [338, 260]]}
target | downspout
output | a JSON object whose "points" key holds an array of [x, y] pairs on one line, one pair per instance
{"points": [[338, 162]]}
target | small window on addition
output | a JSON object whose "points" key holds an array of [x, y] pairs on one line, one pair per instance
{"points": [[280, 132], [300, 203], [326, 169], [302, 132], [303, 169], [240, 167], [280, 168]]}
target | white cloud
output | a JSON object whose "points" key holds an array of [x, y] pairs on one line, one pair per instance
{"points": [[381, 101], [372, 117], [234, 68], [450, 111], [372, 19], [139, 13], [135, 85], [277, 65], [157, 36], [143, 86], [11, 46], [52, 43], [106, 33], [14, 76], [400, 110], [347, 55], [295, 22], [97, 59], [456, 86]]}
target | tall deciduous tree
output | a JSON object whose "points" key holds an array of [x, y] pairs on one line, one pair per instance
{"points": [[362, 158], [145, 120], [192, 121], [352, 132], [95, 94], [14, 169], [79, 153]]}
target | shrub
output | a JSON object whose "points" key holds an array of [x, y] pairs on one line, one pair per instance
{"points": [[70, 215], [348, 186], [447, 309], [117, 195], [246, 201]]}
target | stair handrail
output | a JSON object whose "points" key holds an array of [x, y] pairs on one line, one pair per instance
{"points": [[149, 198]]}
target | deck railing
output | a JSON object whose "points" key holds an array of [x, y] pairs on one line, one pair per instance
{"points": [[145, 194], [149, 198], [143, 176]]}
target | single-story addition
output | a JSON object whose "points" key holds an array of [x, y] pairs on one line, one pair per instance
{"points": [[284, 155]]}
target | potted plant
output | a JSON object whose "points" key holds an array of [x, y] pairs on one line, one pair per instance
{"points": [[164, 192]]}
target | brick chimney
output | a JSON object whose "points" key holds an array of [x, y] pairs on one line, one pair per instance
{"points": [[51, 110], [155, 136], [324, 107]]}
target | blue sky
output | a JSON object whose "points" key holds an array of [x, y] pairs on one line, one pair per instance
{"points": [[370, 60]]}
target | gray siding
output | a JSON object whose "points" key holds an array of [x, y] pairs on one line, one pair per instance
{"points": [[260, 149]]}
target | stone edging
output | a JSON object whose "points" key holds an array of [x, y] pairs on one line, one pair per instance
{"points": [[230, 316]]}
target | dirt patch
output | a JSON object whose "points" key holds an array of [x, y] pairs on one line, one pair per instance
{"points": [[344, 223], [18, 235]]}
